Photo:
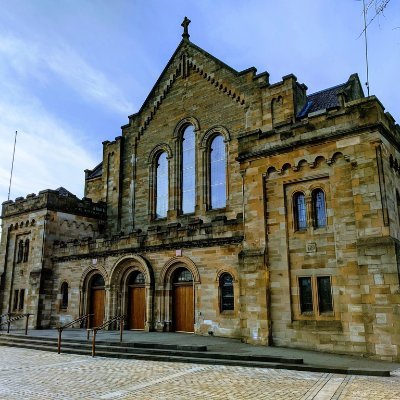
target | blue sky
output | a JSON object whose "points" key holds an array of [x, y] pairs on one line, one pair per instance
{"points": [[72, 71]]}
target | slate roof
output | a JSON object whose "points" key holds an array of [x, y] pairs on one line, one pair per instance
{"points": [[64, 192], [325, 99], [96, 171]]}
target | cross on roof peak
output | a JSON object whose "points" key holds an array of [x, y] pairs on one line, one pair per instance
{"points": [[185, 25]]}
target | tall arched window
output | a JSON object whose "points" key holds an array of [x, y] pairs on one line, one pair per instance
{"points": [[188, 170], [299, 211], [227, 302], [161, 186], [319, 209], [64, 295], [26, 250], [217, 173]]}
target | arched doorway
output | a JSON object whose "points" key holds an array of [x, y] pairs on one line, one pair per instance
{"points": [[183, 301], [136, 301], [97, 297]]}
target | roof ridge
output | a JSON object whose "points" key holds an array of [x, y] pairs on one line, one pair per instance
{"points": [[327, 89]]}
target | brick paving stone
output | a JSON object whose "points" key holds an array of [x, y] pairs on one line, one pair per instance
{"points": [[29, 374]]}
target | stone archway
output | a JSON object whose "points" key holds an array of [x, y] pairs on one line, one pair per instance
{"points": [[132, 286], [93, 293], [179, 279]]}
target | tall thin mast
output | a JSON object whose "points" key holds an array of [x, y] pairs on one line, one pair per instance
{"points": [[12, 166], [366, 46]]}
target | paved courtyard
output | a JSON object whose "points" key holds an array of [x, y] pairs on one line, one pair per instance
{"points": [[32, 374]]}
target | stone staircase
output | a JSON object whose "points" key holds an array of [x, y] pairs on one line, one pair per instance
{"points": [[173, 353], [150, 351]]}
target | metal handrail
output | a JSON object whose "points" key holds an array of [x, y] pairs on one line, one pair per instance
{"points": [[119, 318], [61, 328], [16, 318]]}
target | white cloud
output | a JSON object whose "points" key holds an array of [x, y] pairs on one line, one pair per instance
{"points": [[47, 154], [37, 60]]}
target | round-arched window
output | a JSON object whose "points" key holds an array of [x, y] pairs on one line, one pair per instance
{"points": [[64, 295], [183, 275], [136, 278], [97, 281], [227, 302]]}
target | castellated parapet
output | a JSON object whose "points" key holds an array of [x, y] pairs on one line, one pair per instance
{"points": [[54, 200]]}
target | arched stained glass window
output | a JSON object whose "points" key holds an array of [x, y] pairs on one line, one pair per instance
{"points": [[217, 173], [299, 210], [188, 170], [319, 209], [162, 186], [226, 292], [64, 295]]}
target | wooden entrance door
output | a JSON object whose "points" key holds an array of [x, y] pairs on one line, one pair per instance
{"points": [[137, 307], [97, 307], [183, 311]]}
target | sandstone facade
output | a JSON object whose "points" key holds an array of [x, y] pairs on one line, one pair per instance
{"points": [[307, 240]]}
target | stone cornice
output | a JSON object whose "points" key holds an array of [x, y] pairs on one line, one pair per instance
{"points": [[293, 144], [154, 248]]}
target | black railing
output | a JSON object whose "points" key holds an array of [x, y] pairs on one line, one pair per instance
{"points": [[16, 318], [118, 318], [61, 328]]}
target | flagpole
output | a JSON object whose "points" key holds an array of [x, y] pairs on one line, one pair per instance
{"points": [[12, 165]]}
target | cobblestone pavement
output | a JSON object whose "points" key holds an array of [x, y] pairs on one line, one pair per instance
{"points": [[31, 374]]}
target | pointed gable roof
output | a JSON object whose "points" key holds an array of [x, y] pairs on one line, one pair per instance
{"points": [[184, 59]]}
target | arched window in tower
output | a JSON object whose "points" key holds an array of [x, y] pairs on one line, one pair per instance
{"points": [[218, 173], [64, 295], [20, 252], [227, 302], [319, 208], [26, 250], [299, 211], [188, 170], [162, 186]]}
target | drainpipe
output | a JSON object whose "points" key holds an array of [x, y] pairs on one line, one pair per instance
{"points": [[243, 173]]}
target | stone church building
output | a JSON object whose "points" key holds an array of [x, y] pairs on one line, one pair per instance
{"points": [[229, 206]]}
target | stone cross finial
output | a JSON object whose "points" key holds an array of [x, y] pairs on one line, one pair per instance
{"points": [[185, 25]]}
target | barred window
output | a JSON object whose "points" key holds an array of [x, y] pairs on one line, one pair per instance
{"points": [[227, 302]]}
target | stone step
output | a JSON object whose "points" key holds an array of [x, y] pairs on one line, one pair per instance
{"points": [[212, 361], [122, 348], [144, 345]]}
